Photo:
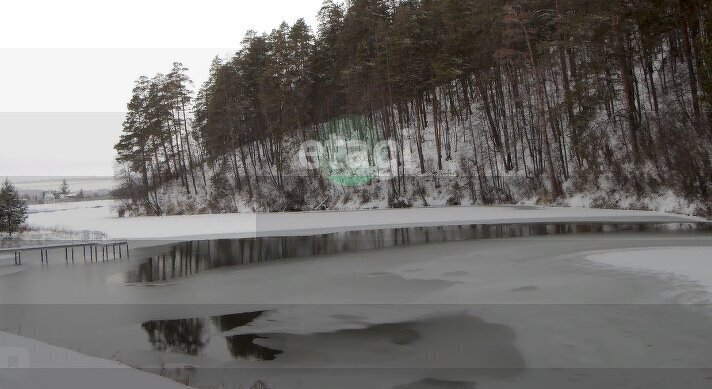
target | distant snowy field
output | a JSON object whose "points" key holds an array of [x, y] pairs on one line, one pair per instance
{"points": [[100, 216], [49, 183]]}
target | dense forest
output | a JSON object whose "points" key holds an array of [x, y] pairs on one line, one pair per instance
{"points": [[481, 102]]}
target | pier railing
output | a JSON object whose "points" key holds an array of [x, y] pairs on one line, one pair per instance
{"points": [[108, 250]]}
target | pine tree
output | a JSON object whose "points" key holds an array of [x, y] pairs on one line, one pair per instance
{"points": [[13, 210], [543, 90], [64, 188]]}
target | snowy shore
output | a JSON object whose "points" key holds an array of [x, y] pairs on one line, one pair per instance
{"points": [[28, 363], [98, 216]]}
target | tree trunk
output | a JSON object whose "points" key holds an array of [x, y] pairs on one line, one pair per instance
{"points": [[628, 93]]}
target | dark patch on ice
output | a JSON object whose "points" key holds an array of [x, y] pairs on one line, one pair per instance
{"points": [[190, 336], [404, 336], [379, 274], [456, 273], [415, 283], [235, 320], [526, 288], [432, 383], [243, 346], [400, 334], [442, 341], [450, 341], [343, 316]]}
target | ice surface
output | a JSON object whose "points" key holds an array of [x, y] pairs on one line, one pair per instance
{"points": [[367, 316]]}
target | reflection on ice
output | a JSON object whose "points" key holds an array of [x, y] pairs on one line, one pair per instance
{"points": [[243, 346], [179, 336], [188, 258], [191, 336], [454, 340]]}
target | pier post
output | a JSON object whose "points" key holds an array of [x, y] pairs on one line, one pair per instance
{"points": [[119, 251], [19, 257], [66, 254], [72, 254], [113, 248], [15, 258], [41, 256]]}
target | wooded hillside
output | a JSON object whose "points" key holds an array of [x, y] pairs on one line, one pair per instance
{"points": [[491, 100]]}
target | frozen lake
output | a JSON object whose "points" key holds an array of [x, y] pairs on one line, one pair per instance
{"points": [[437, 307]]}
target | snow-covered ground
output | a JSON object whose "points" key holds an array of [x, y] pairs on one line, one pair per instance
{"points": [[28, 363], [689, 263], [37, 235], [99, 216]]}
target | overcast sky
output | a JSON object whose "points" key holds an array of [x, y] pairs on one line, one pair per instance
{"points": [[67, 69]]}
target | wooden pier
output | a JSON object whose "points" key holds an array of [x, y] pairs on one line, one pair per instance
{"points": [[109, 250]]}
